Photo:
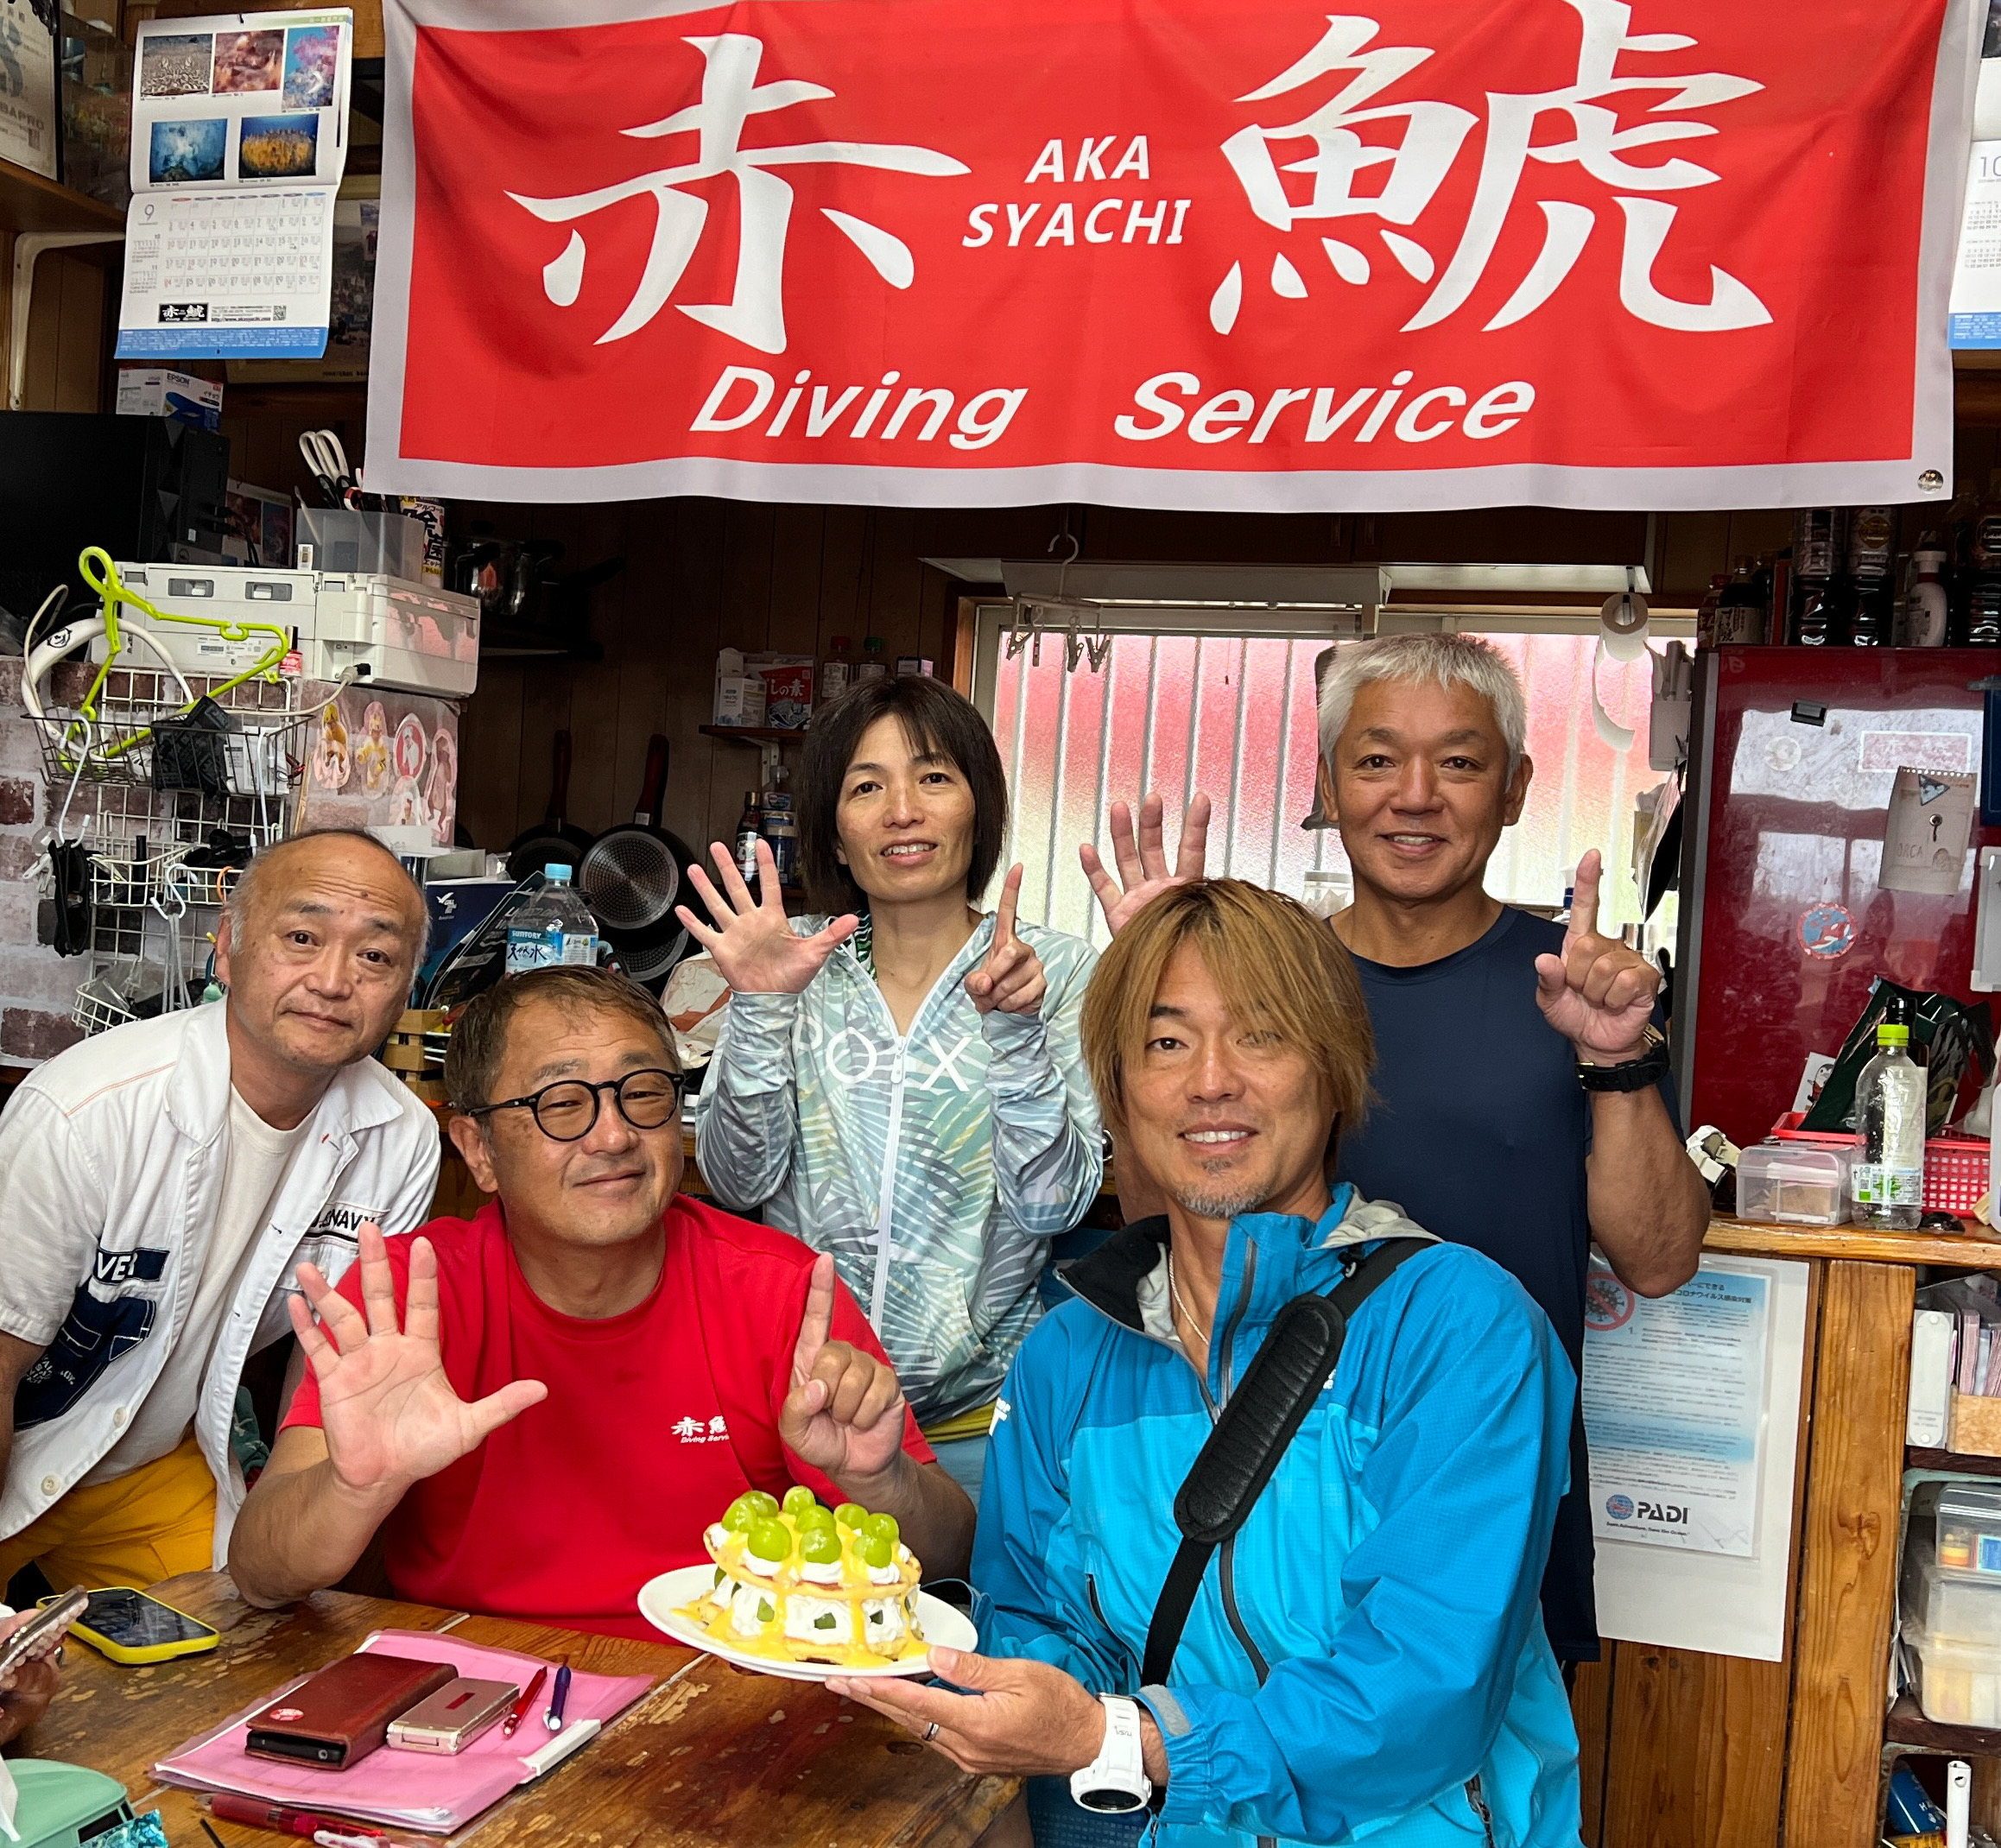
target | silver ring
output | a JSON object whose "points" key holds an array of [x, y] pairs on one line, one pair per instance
{"points": [[930, 1732]]}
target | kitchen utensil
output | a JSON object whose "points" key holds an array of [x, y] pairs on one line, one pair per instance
{"points": [[632, 875], [552, 840]]}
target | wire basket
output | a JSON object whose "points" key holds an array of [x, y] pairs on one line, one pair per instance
{"points": [[133, 871], [117, 992], [125, 741]]}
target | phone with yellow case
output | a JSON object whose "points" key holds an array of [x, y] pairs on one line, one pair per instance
{"points": [[130, 1627]]}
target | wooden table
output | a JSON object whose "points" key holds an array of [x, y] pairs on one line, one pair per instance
{"points": [[713, 1754]]}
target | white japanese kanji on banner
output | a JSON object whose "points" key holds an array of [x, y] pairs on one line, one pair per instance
{"points": [[1200, 253]]}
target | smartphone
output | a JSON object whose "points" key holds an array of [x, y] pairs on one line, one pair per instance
{"points": [[449, 1720], [130, 1627], [40, 1634]]}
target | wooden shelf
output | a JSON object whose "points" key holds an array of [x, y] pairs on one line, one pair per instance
{"points": [[753, 734], [1964, 1462], [1906, 1725], [29, 203], [1977, 1248]]}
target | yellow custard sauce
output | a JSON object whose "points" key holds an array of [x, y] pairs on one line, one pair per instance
{"points": [[799, 1584]]}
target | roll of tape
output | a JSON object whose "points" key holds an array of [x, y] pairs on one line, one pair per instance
{"points": [[1623, 625]]}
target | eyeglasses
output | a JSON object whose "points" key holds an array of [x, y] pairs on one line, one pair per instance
{"points": [[567, 1112]]}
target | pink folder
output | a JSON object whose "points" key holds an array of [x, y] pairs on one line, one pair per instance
{"points": [[413, 1789]]}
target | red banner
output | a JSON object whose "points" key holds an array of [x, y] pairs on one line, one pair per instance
{"points": [[1193, 253]]}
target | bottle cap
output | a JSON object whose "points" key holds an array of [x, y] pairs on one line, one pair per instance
{"points": [[556, 873], [841, 642], [1889, 1033], [875, 644]]}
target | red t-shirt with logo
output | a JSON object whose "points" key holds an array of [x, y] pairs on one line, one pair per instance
{"points": [[656, 1419]]}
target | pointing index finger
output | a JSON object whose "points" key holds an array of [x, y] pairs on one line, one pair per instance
{"points": [[818, 1321], [1584, 896], [1003, 923]]}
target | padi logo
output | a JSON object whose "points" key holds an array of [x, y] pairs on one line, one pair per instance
{"points": [[1665, 1513]]}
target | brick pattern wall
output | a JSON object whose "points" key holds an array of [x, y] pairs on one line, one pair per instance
{"points": [[36, 985]]}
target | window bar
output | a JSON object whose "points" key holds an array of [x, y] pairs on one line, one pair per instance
{"points": [[1056, 794], [1279, 804], [1018, 667], [1091, 914], [1153, 682], [1194, 726], [1236, 758], [1573, 750]]}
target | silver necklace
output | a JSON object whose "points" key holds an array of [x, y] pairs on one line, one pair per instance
{"points": [[1174, 1290]]}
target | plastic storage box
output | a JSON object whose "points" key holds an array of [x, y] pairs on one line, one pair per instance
{"points": [[1958, 1684], [1969, 1529], [1951, 1606], [1793, 1183], [381, 544]]}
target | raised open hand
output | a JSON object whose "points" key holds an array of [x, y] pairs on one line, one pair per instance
{"points": [[845, 1413], [1597, 994], [389, 1414], [1010, 978], [752, 944], [1143, 863]]}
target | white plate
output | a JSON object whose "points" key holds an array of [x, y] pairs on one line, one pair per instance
{"points": [[661, 1599]]}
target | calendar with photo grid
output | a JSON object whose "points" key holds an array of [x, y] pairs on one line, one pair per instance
{"points": [[239, 139]]}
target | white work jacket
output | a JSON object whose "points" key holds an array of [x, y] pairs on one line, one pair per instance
{"points": [[132, 1123]]}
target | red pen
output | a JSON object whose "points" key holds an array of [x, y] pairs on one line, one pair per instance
{"points": [[259, 1816], [527, 1700]]}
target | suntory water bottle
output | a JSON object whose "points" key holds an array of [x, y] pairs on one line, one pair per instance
{"points": [[1886, 1185]]}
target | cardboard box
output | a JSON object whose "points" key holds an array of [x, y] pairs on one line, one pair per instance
{"points": [[739, 699], [153, 391]]}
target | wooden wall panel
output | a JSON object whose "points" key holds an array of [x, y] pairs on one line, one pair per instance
{"points": [[1696, 1758], [1591, 1710], [1848, 1560]]}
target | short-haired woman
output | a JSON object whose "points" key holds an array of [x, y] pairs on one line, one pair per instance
{"points": [[898, 1080]]}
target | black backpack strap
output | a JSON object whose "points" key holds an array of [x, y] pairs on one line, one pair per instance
{"points": [[1289, 1372]]}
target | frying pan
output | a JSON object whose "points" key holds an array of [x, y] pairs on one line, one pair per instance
{"points": [[631, 875], [553, 841]]}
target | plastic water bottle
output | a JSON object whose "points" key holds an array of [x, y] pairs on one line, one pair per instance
{"points": [[554, 927], [1886, 1185]]}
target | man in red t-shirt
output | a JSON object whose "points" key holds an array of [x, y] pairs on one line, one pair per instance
{"points": [[540, 1409]]}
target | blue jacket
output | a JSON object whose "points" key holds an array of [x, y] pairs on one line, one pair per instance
{"points": [[1365, 1660]]}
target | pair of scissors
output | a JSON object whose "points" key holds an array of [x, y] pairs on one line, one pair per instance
{"points": [[328, 461]]}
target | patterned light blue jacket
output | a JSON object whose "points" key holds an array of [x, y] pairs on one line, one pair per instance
{"points": [[1366, 1660], [935, 1165]]}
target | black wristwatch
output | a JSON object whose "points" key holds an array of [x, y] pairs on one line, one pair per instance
{"points": [[1634, 1074]]}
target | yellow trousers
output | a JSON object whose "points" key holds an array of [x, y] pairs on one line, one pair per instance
{"points": [[136, 1529]]}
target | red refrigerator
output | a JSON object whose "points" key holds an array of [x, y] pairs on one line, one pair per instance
{"points": [[1792, 753]]}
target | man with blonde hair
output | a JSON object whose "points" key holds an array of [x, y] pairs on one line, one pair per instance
{"points": [[1525, 1108], [1362, 1656]]}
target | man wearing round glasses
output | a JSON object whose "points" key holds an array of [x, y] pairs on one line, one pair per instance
{"points": [[538, 1409]]}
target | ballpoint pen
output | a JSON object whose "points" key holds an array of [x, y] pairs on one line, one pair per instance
{"points": [[527, 1700], [553, 1718]]}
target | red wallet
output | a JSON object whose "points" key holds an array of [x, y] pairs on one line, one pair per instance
{"points": [[337, 1716]]}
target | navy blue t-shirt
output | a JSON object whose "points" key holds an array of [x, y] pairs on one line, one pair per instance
{"points": [[1479, 1132]]}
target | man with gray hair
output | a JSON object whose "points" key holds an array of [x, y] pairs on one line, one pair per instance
{"points": [[1523, 1106], [160, 1183]]}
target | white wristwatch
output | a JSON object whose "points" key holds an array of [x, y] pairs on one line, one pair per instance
{"points": [[1115, 1782]]}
